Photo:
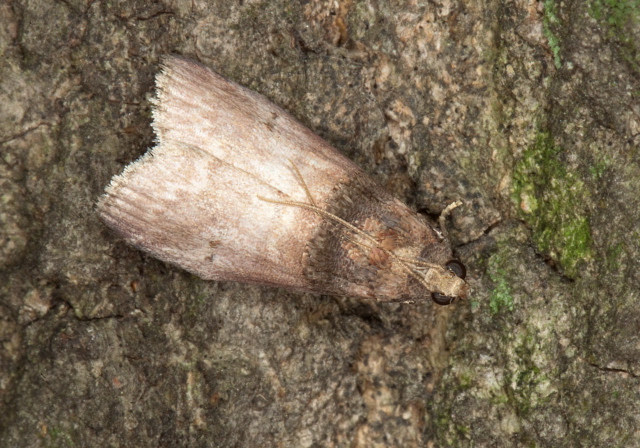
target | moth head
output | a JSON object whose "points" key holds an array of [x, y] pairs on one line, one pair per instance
{"points": [[447, 283]]}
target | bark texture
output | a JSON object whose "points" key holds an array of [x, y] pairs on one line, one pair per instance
{"points": [[529, 112]]}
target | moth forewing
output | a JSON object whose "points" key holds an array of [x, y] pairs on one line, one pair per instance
{"points": [[237, 189]]}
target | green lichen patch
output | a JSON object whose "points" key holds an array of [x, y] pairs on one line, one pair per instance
{"points": [[501, 298], [552, 200], [599, 167], [57, 436], [613, 257], [549, 20], [528, 385], [622, 20]]}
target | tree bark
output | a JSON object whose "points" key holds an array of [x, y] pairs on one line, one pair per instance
{"points": [[528, 112]]}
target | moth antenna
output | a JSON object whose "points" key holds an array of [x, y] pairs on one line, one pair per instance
{"points": [[419, 263], [355, 230], [414, 261], [234, 167], [358, 243], [302, 182], [324, 213], [411, 261]]}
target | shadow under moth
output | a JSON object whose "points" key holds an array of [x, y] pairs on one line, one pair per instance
{"points": [[238, 190]]}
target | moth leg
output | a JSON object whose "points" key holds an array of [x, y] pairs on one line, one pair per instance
{"points": [[444, 215]]}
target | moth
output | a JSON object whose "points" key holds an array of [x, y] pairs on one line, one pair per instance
{"points": [[236, 189]]}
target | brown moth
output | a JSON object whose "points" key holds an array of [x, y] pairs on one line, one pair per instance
{"points": [[238, 190]]}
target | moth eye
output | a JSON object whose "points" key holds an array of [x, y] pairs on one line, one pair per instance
{"points": [[442, 299], [457, 268]]}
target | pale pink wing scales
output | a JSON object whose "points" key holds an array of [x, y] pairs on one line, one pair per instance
{"points": [[200, 108], [194, 199], [192, 210]]}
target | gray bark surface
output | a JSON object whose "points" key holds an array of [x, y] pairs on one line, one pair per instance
{"points": [[528, 112]]}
